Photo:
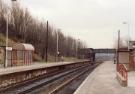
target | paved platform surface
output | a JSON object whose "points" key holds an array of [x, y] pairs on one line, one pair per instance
{"points": [[131, 79], [103, 81], [36, 65]]}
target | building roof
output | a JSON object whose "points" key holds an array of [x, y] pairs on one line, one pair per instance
{"points": [[124, 50], [9, 48], [23, 46]]}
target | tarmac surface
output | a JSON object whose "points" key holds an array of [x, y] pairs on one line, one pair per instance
{"points": [[103, 81], [131, 79]]}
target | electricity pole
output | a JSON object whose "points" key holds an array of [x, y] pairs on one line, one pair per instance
{"points": [[57, 48], [47, 42]]}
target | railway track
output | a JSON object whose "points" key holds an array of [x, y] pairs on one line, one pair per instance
{"points": [[67, 76], [69, 81], [58, 88]]}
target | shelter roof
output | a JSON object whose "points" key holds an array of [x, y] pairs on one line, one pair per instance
{"points": [[23, 46]]}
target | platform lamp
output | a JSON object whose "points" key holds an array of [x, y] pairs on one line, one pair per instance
{"points": [[5, 65], [57, 44]]}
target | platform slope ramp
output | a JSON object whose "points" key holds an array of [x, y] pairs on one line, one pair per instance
{"points": [[103, 80], [131, 79], [122, 74], [128, 81]]}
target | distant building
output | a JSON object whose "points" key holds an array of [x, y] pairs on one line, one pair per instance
{"points": [[85, 53], [131, 44], [125, 63]]}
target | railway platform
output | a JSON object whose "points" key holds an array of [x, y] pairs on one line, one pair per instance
{"points": [[10, 76], [35, 65], [103, 81]]}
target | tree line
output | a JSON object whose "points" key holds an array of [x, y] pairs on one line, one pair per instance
{"points": [[23, 27]]}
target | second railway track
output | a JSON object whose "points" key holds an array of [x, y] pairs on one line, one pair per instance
{"points": [[49, 83]]}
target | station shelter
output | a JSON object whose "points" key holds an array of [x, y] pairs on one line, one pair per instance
{"points": [[126, 57], [125, 63], [22, 54]]}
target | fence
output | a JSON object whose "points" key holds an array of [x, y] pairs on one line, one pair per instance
{"points": [[121, 68]]}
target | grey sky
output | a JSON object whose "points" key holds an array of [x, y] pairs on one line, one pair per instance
{"points": [[94, 21]]}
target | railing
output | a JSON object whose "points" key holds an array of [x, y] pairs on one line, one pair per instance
{"points": [[122, 70]]}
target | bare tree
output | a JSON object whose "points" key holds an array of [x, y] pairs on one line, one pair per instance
{"points": [[25, 28]]}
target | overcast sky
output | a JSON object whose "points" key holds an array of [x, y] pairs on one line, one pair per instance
{"points": [[94, 21]]}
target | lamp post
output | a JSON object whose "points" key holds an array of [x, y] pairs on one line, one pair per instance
{"points": [[128, 32], [77, 47], [57, 44], [7, 20], [6, 41]]}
